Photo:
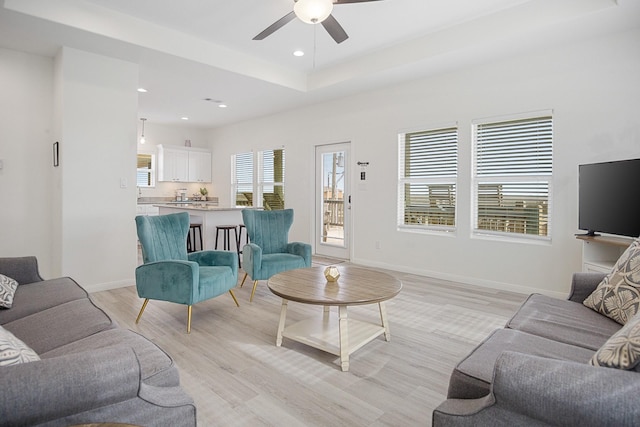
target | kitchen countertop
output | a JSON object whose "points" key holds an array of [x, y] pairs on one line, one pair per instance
{"points": [[172, 201], [199, 207]]}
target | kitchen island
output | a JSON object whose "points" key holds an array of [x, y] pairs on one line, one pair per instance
{"points": [[209, 216]]}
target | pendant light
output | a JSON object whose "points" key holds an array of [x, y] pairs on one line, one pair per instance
{"points": [[142, 140]]}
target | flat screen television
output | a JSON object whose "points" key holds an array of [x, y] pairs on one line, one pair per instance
{"points": [[608, 198]]}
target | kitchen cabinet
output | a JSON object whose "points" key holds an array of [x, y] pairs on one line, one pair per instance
{"points": [[146, 209], [184, 164], [199, 166], [173, 164]]}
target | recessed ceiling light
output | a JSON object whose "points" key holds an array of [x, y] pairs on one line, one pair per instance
{"points": [[298, 53], [141, 90], [216, 101], [184, 118]]}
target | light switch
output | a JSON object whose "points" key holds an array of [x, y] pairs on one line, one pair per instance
{"points": [[123, 183], [1, 164]]}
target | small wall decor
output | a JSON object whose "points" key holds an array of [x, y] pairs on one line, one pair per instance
{"points": [[56, 154]]}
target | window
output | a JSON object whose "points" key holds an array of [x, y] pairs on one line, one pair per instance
{"points": [[271, 184], [243, 179], [145, 175], [258, 179], [428, 169], [512, 177]]}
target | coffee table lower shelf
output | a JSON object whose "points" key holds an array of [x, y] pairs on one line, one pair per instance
{"points": [[340, 336], [325, 334]]}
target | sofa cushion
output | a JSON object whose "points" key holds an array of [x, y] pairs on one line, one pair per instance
{"points": [[38, 296], [622, 350], [618, 295], [564, 321], [14, 351], [7, 290], [471, 379], [60, 325], [158, 369]]}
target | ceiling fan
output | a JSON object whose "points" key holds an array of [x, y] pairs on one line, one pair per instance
{"points": [[313, 12]]}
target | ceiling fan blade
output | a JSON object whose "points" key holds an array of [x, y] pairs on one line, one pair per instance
{"points": [[351, 1], [276, 26], [334, 29]]}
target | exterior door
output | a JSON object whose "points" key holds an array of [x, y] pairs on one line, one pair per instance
{"points": [[333, 201]]}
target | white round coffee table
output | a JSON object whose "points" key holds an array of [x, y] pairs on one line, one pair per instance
{"points": [[342, 336]]}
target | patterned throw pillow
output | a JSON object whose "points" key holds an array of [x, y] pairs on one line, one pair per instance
{"points": [[8, 287], [14, 351], [622, 350], [618, 295]]}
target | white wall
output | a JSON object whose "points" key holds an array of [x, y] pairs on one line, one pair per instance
{"points": [[592, 88], [97, 105], [160, 134], [26, 138]]}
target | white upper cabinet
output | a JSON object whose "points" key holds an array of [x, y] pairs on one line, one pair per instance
{"points": [[173, 164], [199, 166], [183, 164]]}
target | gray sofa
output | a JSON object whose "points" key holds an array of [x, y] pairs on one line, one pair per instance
{"points": [[91, 371], [535, 371]]}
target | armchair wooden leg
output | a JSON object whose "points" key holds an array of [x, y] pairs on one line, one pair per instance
{"points": [[243, 279], [144, 305], [234, 298], [189, 319], [255, 285]]}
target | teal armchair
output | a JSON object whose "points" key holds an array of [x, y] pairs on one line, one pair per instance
{"points": [[270, 251], [169, 273]]}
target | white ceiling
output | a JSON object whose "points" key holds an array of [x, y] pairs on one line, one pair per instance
{"points": [[190, 50]]}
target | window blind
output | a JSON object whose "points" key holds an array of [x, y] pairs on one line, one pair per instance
{"points": [[258, 179], [272, 180], [520, 147], [513, 169], [144, 171], [243, 179], [428, 174]]}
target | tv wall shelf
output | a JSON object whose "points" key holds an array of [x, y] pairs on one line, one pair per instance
{"points": [[600, 253]]}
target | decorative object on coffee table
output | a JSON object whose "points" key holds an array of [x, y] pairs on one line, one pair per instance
{"points": [[332, 273]]}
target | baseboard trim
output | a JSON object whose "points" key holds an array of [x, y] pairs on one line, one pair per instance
{"points": [[107, 286], [473, 281]]}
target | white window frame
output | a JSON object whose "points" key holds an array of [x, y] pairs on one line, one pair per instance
{"points": [[234, 178], [516, 226], [151, 171], [447, 175], [262, 181], [259, 181]]}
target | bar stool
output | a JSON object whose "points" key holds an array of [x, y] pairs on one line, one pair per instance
{"points": [[246, 240], [226, 230], [192, 229]]}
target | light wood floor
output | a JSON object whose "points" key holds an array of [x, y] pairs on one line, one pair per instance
{"points": [[231, 367]]}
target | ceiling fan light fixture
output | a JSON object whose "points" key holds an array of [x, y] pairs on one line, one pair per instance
{"points": [[313, 11]]}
